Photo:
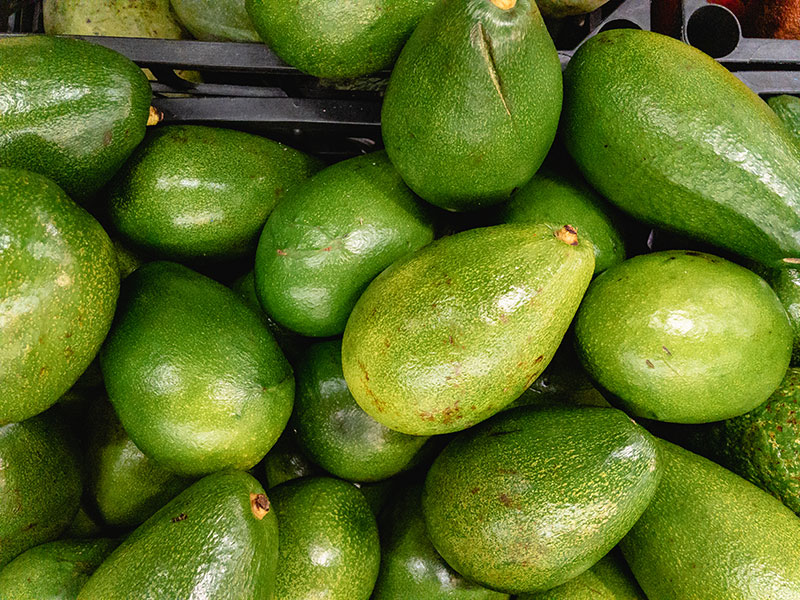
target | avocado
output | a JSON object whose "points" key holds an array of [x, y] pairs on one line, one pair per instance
{"points": [[553, 196], [410, 565], [216, 20], [191, 192], [786, 283], [128, 259], [194, 375], [329, 237], [125, 485], [335, 432], [217, 539], [86, 524], [709, 534], [53, 571], [535, 496], [452, 334], [329, 546], [683, 336], [334, 39], [286, 461], [788, 110], [558, 9], [670, 136], [124, 18], [59, 285], [72, 110], [473, 102], [40, 484]]}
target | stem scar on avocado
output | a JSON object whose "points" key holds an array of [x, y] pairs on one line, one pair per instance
{"points": [[259, 504], [568, 234]]}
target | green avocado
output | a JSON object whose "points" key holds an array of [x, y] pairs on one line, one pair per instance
{"points": [[195, 376], [86, 524], [329, 546], [71, 110], [410, 566], [473, 102], [53, 571], [786, 283], [709, 534], [555, 197], [533, 497], [452, 334], [670, 136], [329, 237], [333, 429], [216, 20], [58, 284], [191, 192], [124, 18], [788, 110], [286, 461], [334, 39], [683, 336], [217, 539], [40, 484]]}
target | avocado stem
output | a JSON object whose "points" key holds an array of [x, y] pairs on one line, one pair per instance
{"points": [[259, 504], [568, 234], [155, 116], [505, 4]]}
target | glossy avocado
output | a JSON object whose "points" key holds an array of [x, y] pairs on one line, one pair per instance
{"points": [[329, 544], [788, 110], [683, 336], [329, 237], [59, 284], [216, 20], [72, 110], [670, 136], [53, 571], [192, 192], [452, 334], [217, 539], [194, 375], [473, 102], [709, 534], [124, 18]]}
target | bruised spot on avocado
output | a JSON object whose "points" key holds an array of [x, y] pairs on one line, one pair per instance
{"points": [[66, 335], [567, 234], [363, 368], [42, 371], [179, 518], [386, 342], [538, 359], [475, 490], [649, 364], [107, 136], [507, 501], [259, 504]]}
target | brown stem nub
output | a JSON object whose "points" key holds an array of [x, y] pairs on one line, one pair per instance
{"points": [[568, 234], [792, 261], [155, 116], [259, 504], [505, 4]]}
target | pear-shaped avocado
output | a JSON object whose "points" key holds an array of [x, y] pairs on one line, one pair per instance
{"points": [[216, 20], [452, 334], [670, 136], [59, 285], [683, 336], [217, 539], [72, 110], [53, 571], [195, 376], [709, 534], [473, 102], [329, 546], [124, 18]]}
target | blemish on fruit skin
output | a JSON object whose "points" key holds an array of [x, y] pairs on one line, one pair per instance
{"points": [[281, 252], [475, 490], [179, 518], [665, 349], [649, 364]]}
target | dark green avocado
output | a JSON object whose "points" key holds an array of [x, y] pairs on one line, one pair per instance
{"points": [[216, 20]]}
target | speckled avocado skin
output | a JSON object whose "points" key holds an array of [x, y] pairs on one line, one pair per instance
{"points": [[202, 192], [72, 110], [330, 236], [126, 18], [329, 545], [473, 102], [216, 20], [447, 337], [194, 375], [214, 540], [533, 497], [709, 534], [59, 285], [683, 336], [788, 110], [673, 138], [53, 571]]}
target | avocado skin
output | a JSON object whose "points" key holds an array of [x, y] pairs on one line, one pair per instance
{"points": [[788, 110], [53, 571], [194, 375], [533, 497], [191, 191], [683, 336], [452, 334], [786, 283], [216, 20], [124, 18], [59, 283], [329, 545], [41, 484], [74, 111], [329, 237], [553, 196], [206, 543], [333, 39], [709, 534], [335, 431], [410, 565], [473, 102], [673, 138]]}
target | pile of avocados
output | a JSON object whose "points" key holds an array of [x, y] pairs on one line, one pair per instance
{"points": [[544, 346]]}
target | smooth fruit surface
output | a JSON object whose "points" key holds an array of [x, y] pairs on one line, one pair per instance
{"points": [[788, 110], [125, 18], [216, 20]]}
